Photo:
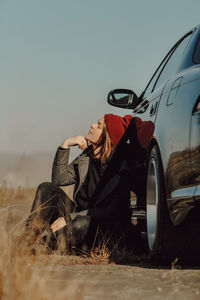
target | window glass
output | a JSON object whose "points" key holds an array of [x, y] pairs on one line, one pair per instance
{"points": [[196, 58], [154, 79], [173, 62], [177, 51]]}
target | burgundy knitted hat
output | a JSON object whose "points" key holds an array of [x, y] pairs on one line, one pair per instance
{"points": [[116, 126]]}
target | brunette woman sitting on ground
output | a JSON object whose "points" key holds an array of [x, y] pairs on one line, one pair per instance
{"points": [[101, 198]]}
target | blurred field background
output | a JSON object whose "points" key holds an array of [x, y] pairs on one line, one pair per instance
{"points": [[26, 170]]}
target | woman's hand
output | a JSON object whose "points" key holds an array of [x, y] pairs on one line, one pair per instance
{"points": [[75, 140], [57, 224]]}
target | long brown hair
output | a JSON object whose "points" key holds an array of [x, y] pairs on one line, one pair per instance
{"points": [[104, 144]]}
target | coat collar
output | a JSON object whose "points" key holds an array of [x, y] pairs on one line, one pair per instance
{"points": [[83, 165]]}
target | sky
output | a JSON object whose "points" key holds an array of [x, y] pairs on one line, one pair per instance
{"points": [[59, 60]]}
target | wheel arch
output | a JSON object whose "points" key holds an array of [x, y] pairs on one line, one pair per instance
{"points": [[154, 142]]}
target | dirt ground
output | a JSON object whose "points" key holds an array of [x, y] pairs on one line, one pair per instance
{"points": [[93, 282], [57, 277]]}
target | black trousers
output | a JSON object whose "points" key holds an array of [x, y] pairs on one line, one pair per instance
{"points": [[50, 203]]}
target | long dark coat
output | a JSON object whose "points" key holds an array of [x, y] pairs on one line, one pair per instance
{"points": [[111, 202]]}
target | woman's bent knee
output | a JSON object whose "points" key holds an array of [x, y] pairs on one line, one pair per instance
{"points": [[45, 186], [46, 190]]}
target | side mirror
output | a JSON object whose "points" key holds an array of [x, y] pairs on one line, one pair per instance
{"points": [[123, 98]]}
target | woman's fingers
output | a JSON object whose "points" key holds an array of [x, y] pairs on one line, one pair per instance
{"points": [[58, 224], [83, 144], [75, 140]]}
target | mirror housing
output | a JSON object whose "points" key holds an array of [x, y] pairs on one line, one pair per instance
{"points": [[123, 98]]}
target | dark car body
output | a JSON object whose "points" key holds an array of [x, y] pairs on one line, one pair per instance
{"points": [[171, 101]]}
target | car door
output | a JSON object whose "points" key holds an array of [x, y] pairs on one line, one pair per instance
{"points": [[172, 122]]}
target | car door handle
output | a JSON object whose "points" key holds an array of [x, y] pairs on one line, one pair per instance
{"points": [[153, 109], [174, 90]]}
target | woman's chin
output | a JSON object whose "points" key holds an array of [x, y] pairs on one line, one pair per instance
{"points": [[90, 142], [87, 138]]}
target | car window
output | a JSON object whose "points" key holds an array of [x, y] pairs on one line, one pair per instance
{"points": [[176, 50], [155, 77], [153, 81], [196, 57], [173, 62]]}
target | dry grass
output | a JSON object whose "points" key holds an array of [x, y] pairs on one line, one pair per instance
{"points": [[27, 276], [21, 273]]}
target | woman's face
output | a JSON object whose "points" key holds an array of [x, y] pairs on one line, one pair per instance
{"points": [[95, 131]]}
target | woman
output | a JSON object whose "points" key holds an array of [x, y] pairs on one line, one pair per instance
{"points": [[101, 196]]}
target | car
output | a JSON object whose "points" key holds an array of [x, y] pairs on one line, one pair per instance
{"points": [[171, 100]]}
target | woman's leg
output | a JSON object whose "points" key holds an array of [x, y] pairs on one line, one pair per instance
{"points": [[49, 204]]}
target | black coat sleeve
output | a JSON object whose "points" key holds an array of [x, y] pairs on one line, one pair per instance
{"points": [[62, 172]]}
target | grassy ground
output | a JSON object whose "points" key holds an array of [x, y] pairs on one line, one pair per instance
{"points": [[21, 272], [52, 276], [20, 277]]}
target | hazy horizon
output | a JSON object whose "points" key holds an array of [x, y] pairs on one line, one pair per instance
{"points": [[28, 169]]}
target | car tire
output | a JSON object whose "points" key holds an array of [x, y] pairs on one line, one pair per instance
{"points": [[158, 221]]}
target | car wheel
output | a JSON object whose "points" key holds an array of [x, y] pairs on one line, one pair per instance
{"points": [[158, 221]]}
